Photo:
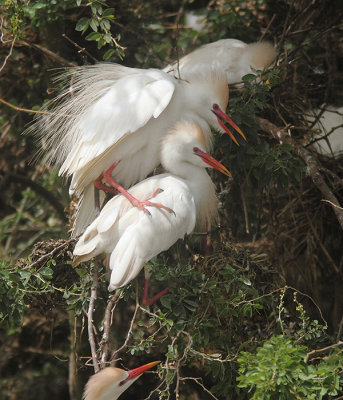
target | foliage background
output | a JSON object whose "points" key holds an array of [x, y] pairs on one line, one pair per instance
{"points": [[261, 317]]}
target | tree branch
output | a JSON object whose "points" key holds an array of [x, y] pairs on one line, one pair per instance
{"points": [[114, 354], [91, 337], [104, 345], [38, 189], [281, 135], [60, 60]]}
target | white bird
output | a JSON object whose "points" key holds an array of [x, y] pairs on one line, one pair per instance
{"points": [[231, 56], [111, 382], [115, 113], [131, 237], [328, 125]]}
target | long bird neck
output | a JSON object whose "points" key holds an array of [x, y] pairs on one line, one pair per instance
{"points": [[203, 190]]}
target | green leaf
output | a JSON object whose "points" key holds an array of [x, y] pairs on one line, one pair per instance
{"points": [[82, 24], [93, 36], [109, 13], [109, 53]]}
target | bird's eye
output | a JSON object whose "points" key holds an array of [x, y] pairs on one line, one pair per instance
{"points": [[195, 149], [215, 106]]}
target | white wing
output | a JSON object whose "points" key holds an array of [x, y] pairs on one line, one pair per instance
{"points": [[127, 106], [131, 236], [233, 56]]}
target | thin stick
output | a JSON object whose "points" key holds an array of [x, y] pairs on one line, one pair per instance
{"points": [[91, 338], [114, 354], [112, 302], [282, 135], [27, 110]]}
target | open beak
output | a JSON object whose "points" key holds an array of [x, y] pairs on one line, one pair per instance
{"points": [[221, 114], [212, 162], [135, 373]]}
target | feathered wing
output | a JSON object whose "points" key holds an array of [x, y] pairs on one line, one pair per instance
{"points": [[131, 236], [127, 106], [104, 103], [230, 55]]}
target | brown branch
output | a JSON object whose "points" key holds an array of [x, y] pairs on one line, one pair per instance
{"points": [[38, 189], [90, 312], [51, 254], [81, 49], [27, 110], [313, 353], [60, 60], [282, 135], [114, 354], [104, 345]]}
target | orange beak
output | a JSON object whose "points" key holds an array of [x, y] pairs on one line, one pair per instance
{"points": [[134, 373], [221, 114], [212, 162]]}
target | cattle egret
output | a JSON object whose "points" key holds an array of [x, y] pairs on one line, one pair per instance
{"points": [[328, 124], [111, 382], [116, 114], [133, 238], [231, 56]]}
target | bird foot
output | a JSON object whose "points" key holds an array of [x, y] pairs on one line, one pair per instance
{"points": [[144, 203], [141, 204], [99, 184], [148, 301]]}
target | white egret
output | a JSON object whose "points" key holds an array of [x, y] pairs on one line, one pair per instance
{"points": [[111, 382], [131, 237], [116, 115], [231, 56]]}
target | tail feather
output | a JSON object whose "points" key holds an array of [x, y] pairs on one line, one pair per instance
{"points": [[260, 54], [86, 212], [126, 261]]}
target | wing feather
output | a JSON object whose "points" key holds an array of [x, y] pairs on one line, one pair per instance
{"points": [[126, 107]]}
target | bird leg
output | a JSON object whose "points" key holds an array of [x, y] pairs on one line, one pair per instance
{"points": [[99, 185], [146, 300], [135, 202]]}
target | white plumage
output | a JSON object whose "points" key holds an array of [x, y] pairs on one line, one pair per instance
{"points": [[116, 113], [328, 126], [132, 237], [231, 56], [111, 382]]}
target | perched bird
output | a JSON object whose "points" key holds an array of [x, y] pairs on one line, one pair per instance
{"points": [[116, 115], [133, 238], [231, 56], [111, 382], [327, 122]]}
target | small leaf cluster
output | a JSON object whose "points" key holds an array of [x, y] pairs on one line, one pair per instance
{"points": [[17, 286], [100, 24], [13, 15], [278, 371]]}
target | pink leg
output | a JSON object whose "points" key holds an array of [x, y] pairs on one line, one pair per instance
{"points": [[146, 300], [135, 202], [98, 183]]}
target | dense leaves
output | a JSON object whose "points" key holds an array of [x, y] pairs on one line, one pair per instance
{"points": [[247, 321]]}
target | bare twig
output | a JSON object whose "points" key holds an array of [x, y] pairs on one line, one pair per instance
{"points": [[91, 337], [313, 353], [282, 135], [27, 110], [198, 381], [8, 56], [60, 60], [81, 49], [114, 354], [104, 345], [52, 253], [38, 189]]}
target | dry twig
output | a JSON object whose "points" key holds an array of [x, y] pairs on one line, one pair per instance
{"points": [[91, 337], [283, 136]]}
